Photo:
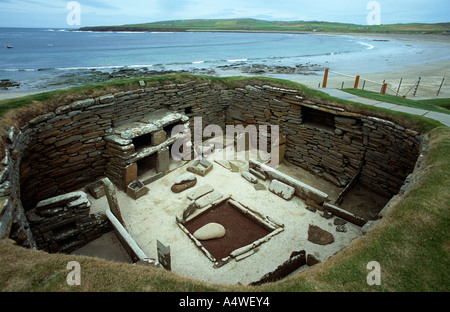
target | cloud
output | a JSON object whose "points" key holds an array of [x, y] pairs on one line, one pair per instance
{"points": [[42, 13], [99, 4]]}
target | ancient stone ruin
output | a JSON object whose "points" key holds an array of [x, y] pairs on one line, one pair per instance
{"points": [[53, 161]]}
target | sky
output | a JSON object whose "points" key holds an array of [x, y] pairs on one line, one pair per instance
{"points": [[57, 13]]}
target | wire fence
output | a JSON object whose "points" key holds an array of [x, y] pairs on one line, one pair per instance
{"points": [[426, 87]]}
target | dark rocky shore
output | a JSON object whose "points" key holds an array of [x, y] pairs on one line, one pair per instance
{"points": [[71, 78]]}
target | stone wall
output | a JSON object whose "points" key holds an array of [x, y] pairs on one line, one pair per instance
{"points": [[67, 147], [64, 223], [330, 142], [63, 150]]}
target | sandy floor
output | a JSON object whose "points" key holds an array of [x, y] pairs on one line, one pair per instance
{"points": [[153, 217], [106, 247]]}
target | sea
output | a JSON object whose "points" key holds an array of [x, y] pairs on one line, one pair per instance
{"points": [[39, 57]]}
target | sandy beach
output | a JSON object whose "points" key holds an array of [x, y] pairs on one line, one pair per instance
{"points": [[424, 56], [407, 58]]}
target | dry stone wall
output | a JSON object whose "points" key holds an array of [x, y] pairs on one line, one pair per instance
{"points": [[63, 150], [330, 142]]}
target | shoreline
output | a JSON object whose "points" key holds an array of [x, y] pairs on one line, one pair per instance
{"points": [[409, 57]]}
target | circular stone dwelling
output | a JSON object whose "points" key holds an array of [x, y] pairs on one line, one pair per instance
{"points": [[62, 151]]}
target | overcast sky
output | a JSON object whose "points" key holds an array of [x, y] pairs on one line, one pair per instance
{"points": [[53, 13]]}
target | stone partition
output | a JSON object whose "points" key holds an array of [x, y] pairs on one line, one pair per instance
{"points": [[65, 149]]}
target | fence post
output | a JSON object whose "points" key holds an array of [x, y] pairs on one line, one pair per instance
{"points": [[398, 90], [417, 87], [440, 86], [382, 86], [325, 78], [356, 82]]}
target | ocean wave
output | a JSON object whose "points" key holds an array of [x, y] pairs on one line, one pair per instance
{"points": [[102, 67], [19, 69], [238, 60], [74, 68], [369, 46]]}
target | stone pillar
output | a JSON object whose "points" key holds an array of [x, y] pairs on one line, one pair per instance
{"points": [[163, 249], [158, 137], [112, 200], [163, 160], [130, 175]]}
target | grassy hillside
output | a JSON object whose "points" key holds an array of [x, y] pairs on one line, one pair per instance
{"points": [[247, 24]]}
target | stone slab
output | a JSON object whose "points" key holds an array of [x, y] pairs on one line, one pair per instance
{"points": [[164, 258], [96, 189], [200, 191], [319, 236], [204, 201], [178, 188], [281, 189], [302, 190], [249, 177], [348, 216], [187, 177]]}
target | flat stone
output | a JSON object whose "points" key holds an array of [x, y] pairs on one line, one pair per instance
{"points": [[200, 191], [339, 221], [319, 236], [178, 188], [249, 177], [59, 201], [210, 231], [327, 215], [257, 174], [233, 167], [259, 187], [283, 190], [208, 199], [341, 228], [187, 177], [223, 163], [311, 260], [188, 210]]}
